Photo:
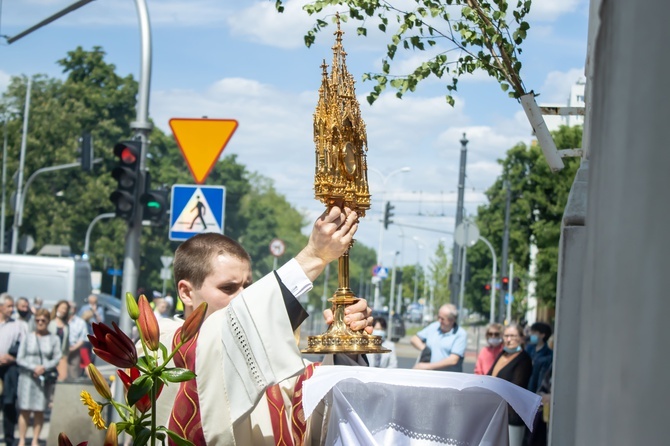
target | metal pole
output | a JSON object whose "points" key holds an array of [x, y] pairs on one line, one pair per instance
{"points": [[4, 187], [461, 290], [494, 270], [511, 293], [505, 248], [48, 20], [456, 260], [390, 321], [90, 228], [22, 163], [142, 127], [274, 263]]}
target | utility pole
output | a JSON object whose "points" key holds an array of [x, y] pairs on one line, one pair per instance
{"points": [[22, 163], [505, 250], [456, 250]]}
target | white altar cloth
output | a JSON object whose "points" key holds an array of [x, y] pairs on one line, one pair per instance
{"points": [[371, 406]]}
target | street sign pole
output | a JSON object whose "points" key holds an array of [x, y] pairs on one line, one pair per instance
{"points": [[142, 126]]}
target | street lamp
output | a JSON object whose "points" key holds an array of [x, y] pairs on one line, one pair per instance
{"points": [[493, 279], [419, 247], [376, 304]]}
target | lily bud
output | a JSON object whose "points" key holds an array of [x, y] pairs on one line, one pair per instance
{"points": [[111, 438], [99, 382], [131, 305], [193, 323], [148, 325]]}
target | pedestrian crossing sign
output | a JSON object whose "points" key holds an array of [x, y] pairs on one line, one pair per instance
{"points": [[196, 209]]}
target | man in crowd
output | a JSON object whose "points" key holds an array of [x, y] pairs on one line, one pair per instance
{"points": [[539, 352], [98, 311], [248, 367], [445, 339], [12, 333], [24, 313]]}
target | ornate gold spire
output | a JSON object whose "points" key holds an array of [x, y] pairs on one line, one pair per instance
{"points": [[341, 174]]}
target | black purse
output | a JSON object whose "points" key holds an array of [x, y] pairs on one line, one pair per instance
{"points": [[50, 375]]}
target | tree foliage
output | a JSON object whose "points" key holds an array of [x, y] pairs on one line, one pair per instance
{"points": [[458, 37], [60, 205], [538, 198]]}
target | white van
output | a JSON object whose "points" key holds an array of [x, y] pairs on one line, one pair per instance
{"points": [[51, 278]]}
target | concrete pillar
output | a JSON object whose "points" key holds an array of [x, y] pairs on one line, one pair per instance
{"points": [[568, 321], [622, 392]]}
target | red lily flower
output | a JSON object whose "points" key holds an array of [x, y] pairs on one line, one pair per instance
{"points": [[148, 325], [64, 441], [113, 346], [144, 404]]}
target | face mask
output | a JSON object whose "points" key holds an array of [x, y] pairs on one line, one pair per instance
{"points": [[533, 339], [494, 342], [23, 313], [512, 350], [381, 333]]}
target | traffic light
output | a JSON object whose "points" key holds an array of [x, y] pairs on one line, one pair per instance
{"points": [[388, 213], [487, 288], [127, 175], [516, 286], [505, 283], [86, 152], [154, 206]]}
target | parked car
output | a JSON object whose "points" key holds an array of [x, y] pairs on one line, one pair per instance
{"points": [[398, 326], [112, 306]]}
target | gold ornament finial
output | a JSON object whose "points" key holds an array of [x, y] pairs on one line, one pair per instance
{"points": [[341, 174], [341, 179]]}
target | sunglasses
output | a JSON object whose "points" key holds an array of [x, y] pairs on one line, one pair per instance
{"points": [[492, 334], [41, 320]]}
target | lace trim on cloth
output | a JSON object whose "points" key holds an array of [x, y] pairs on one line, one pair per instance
{"points": [[410, 434], [245, 348]]}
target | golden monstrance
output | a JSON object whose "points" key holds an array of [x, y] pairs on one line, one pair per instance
{"points": [[341, 179]]}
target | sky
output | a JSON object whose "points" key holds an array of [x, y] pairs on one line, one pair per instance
{"points": [[242, 60]]}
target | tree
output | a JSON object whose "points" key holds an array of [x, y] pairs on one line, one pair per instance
{"points": [[538, 200], [482, 35], [60, 205]]}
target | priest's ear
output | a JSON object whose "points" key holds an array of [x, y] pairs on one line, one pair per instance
{"points": [[185, 290]]}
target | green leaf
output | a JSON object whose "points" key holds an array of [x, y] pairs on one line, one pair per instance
{"points": [[362, 31], [142, 437], [504, 86], [164, 351], [140, 387], [179, 441], [177, 375], [450, 100]]}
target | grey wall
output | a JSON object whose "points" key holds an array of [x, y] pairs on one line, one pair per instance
{"points": [[623, 390]]}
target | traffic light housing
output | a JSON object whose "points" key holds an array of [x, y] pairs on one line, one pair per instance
{"points": [[86, 152], [505, 283], [388, 213], [154, 206], [486, 288], [127, 175], [516, 286]]}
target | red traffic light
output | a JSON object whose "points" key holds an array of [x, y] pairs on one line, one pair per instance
{"points": [[505, 280], [487, 287], [128, 152]]}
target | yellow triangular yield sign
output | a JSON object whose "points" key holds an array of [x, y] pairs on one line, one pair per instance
{"points": [[201, 142]]}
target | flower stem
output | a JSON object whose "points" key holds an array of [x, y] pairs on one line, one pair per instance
{"points": [[154, 392]]}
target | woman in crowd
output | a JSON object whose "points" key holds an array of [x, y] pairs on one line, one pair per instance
{"points": [[40, 351], [59, 326], [513, 365], [487, 355]]}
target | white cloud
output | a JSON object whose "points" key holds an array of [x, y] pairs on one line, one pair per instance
{"points": [[557, 84], [551, 10], [4, 80]]}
